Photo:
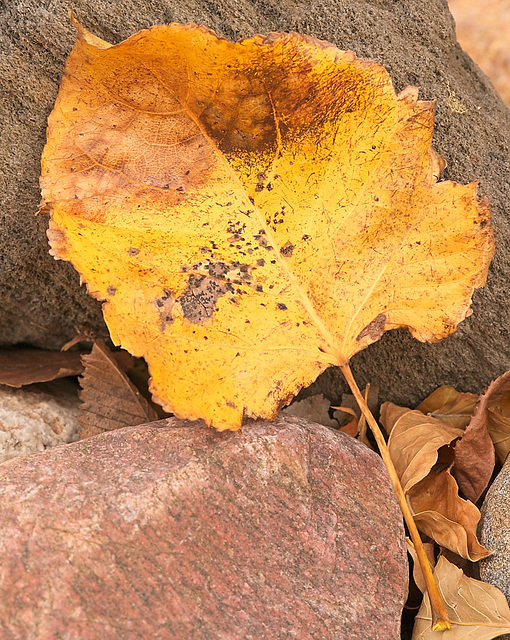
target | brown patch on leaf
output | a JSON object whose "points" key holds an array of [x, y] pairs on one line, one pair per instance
{"points": [[374, 330], [199, 300]]}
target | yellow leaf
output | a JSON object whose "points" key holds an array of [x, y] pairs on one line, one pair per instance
{"points": [[477, 610], [253, 213]]}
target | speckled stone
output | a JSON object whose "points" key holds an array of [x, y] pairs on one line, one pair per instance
{"points": [[174, 531], [35, 420], [495, 532]]}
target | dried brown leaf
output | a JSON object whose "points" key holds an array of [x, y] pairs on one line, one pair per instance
{"points": [[314, 408], [497, 401], [352, 427], [110, 400], [450, 406], [20, 366], [389, 415], [420, 449], [417, 572], [414, 442], [477, 610], [474, 454], [444, 516], [498, 415]]}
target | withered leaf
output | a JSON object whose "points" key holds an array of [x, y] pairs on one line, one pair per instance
{"points": [[414, 442], [223, 198], [474, 453], [498, 413], [417, 573], [444, 516], [109, 399], [496, 401], [450, 406], [477, 610], [420, 448], [314, 408], [23, 366]]}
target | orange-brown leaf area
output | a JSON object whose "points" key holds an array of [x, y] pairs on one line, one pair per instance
{"points": [[474, 453], [109, 399], [254, 212], [23, 366]]}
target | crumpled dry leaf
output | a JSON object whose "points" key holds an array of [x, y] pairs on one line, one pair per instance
{"points": [[444, 516], [253, 213], [417, 572], [496, 401], [450, 406], [477, 610], [22, 366], [414, 441], [420, 449], [314, 408], [498, 412], [109, 399], [474, 453]]}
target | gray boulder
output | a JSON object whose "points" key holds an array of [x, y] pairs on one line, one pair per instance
{"points": [[41, 300], [495, 532]]}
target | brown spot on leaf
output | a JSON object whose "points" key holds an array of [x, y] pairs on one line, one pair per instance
{"points": [[165, 305], [375, 329], [111, 291], [287, 249], [199, 299]]}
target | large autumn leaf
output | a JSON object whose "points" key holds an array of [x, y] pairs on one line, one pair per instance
{"points": [[253, 213]]}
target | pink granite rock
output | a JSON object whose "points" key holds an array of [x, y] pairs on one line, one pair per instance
{"points": [[174, 531]]}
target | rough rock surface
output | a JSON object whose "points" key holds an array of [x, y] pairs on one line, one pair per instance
{"points": [[174, 531], [484, 31], [33, 421], [42, 301], [495, 532]]}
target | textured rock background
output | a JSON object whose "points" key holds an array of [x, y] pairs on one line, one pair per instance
{"points": [[174, 531], [36, 418], [495, 532], [483, 30], [42, 301]]}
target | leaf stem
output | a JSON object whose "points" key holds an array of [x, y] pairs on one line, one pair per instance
{"points": [[440, 620]]}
